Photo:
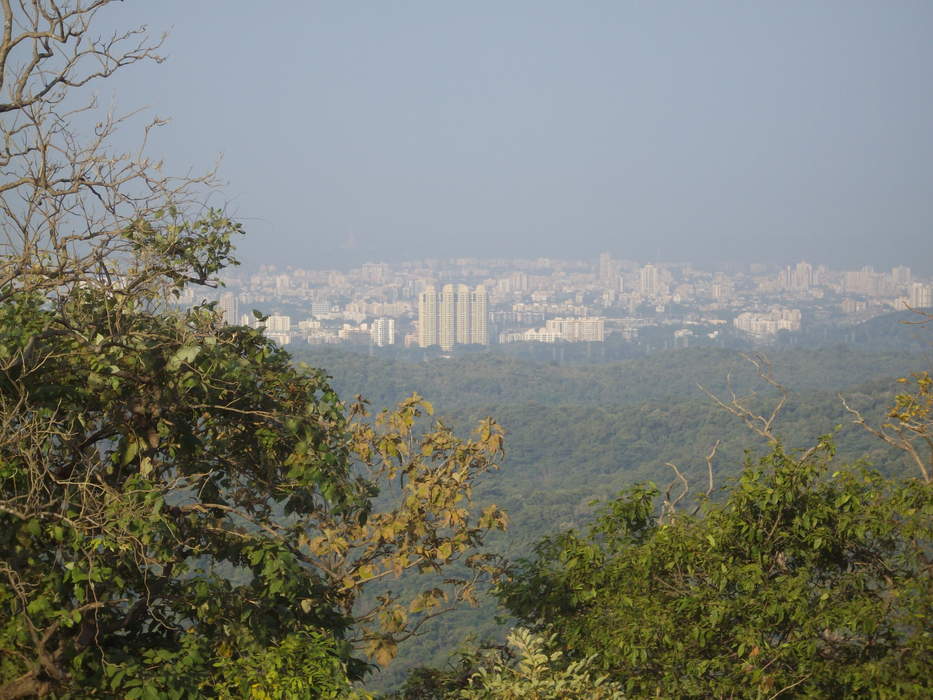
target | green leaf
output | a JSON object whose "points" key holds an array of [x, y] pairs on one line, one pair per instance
{"points": [[184, 354], [132, 448]]}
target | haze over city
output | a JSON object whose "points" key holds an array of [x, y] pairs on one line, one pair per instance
{"points": [[705, 132]]}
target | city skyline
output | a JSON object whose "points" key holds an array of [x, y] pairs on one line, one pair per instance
{"points": [[479, 302]]}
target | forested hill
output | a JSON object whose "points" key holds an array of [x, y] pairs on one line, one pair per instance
{"points": [[665, 377], [583, 432]]}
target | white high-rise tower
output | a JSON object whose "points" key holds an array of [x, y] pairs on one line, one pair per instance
{"points": [[464, 317], [228, 308], [456, 316], [479, 316], [649, 280], [447, 318], [427, 318]]}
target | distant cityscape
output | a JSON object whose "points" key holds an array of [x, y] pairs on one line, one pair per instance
{"points": [[482, 302]]}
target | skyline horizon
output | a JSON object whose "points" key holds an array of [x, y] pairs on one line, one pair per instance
{"points": [[760, 131], [593, 260]]}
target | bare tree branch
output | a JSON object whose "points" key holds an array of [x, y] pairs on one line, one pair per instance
{"points": [[669, 505], [903, 435], [758, 423]]}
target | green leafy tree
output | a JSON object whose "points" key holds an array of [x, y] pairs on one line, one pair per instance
{"points": [[802, 582], [183, 512], [536, 671], [527, 666]]}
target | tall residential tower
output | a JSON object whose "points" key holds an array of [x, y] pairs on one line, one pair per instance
{"points": [[447, 318], [456, 316], [479, 316], [427, 318]]}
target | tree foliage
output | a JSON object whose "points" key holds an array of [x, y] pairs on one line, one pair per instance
{"points": [[801, 583], [183, 512], [592, 431], [526, 666], [535, 671]]}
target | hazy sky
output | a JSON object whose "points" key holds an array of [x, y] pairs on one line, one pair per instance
{"points": [[698, 130]]}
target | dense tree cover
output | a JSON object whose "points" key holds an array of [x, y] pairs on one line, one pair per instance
{"points": [[484, 379], [527, 667], [800, 583], [183, 511], [806, 578], [564, 454], [567, 449], [895, 331], [139, 465]]}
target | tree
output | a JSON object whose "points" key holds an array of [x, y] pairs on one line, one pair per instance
{"points": [[535, 672], [528, 666], [806, 580], [911, 426], [183, 512]]}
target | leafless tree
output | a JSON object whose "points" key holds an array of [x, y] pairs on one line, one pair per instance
{"points": [[738, 407], [669, 505], [67, 196]]}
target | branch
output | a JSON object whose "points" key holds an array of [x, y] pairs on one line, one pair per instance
{"points": [[668, 506], [898, 440], [709, 473], [756, 422]]}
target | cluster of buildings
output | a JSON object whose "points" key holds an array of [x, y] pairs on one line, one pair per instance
{"points": [[453, 316], [481, 302], [571, 330], [769, 322], [278, 327]]}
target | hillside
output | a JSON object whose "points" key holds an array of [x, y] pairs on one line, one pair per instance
{"points": [[579, 433], [482, 379]]}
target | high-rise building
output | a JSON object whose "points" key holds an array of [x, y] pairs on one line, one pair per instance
{"points": [[519, 281], [863, 281], [447, 318], [649, 280], [456, 316], [427, 318], [575, 330], [479, 316], [382, 332], [228, 308], [374, 272], [278, 323], [319, 308], [768, 323], [901, 275], [608, 269], [278, 328], [803, 276], [921, 295], [282, 284], [800, 277], [464, 317]]}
